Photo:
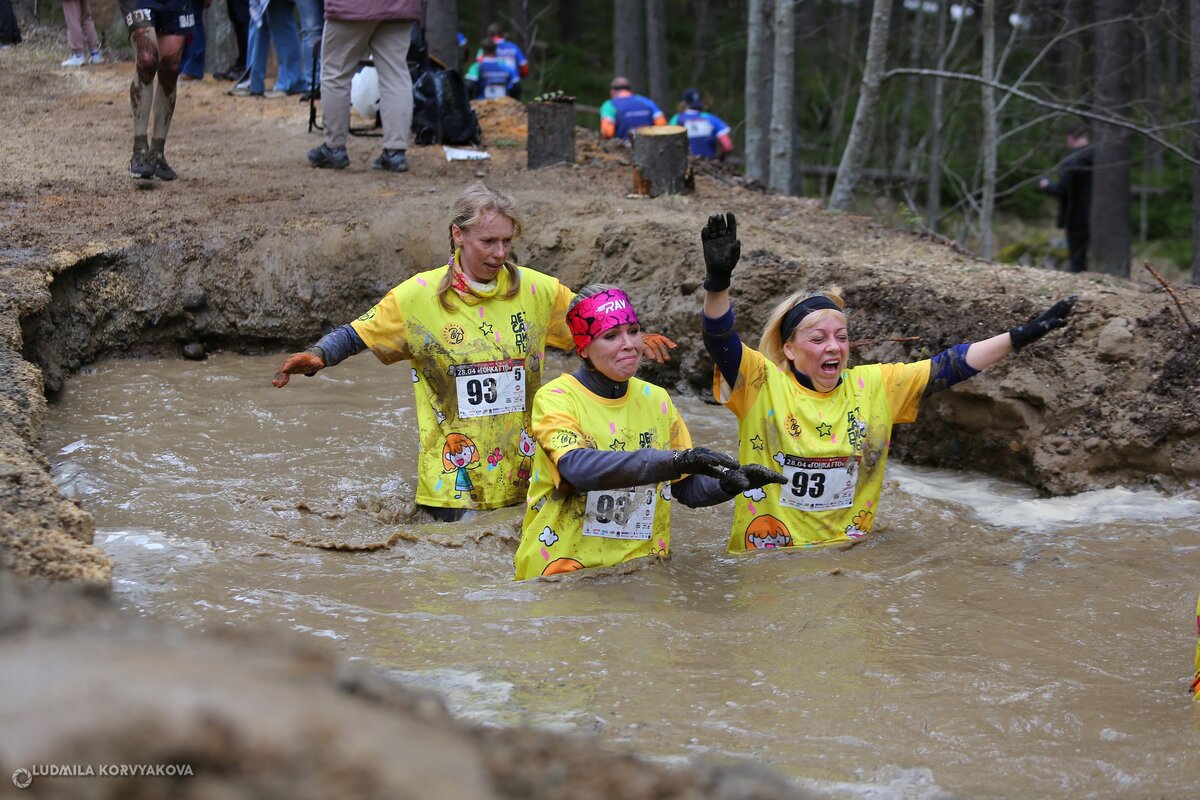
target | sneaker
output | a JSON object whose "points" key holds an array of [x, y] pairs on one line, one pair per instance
{"points": [[243, 90], [96, 58], [186, 78], [391, 160], [162, 170], [274, 94], [326, 157], [76, 60], [309, 96], [141, 165]]}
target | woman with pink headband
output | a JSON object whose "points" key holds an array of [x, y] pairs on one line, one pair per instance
{"points": [[803, 411], [613, 453]]}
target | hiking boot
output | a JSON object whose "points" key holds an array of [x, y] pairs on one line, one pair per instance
{"points": [[326, 157], [391, 160], [76, 60], [162, 170], [142, 164]]}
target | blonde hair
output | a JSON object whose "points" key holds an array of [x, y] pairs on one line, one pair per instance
{"points": [[470, 207], [771, 344]]}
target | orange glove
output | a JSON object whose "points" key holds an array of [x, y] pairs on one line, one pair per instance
{"points": [[302, 363], [655, 346]]}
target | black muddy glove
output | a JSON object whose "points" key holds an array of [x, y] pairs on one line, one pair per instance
{"points": [[1042, 324], [755, 476], [702, 461], [721, 250]]}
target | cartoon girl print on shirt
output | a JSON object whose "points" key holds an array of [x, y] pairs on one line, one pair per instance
{"points": [[526, 446], [460, 454], [765, 532]]}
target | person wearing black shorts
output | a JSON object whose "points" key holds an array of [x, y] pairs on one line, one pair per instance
{"points": [[158, 29]]}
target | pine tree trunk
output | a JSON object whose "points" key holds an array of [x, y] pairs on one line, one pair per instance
{"points": [[629, 42], [701, 37], [656, 49], [1195, 69], [912, 87], [441, 32], [1111, 228], [854, 157], [759, 55], [783, 100], [568, 21]]}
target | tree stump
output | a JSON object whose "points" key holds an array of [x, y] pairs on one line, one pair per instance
{"points": [[551, 137], [660, 161]]}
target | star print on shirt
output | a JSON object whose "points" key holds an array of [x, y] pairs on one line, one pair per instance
{"points": [[485, 328], [757, 442], [824, 429], [616, 445]]}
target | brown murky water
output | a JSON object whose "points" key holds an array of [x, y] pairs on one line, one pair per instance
{"points": [[984, 644]]}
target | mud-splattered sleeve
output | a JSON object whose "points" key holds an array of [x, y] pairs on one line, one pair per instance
{"points": [[905, 386], [383, 327], [557, 333], [751, 377], [555, 426]]}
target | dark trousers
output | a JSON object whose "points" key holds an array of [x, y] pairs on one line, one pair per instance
{"points": [[1077, 245], [239, 17], [10, 31]]}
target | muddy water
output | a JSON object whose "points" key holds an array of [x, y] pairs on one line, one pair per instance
{"points": [[985, 643]]}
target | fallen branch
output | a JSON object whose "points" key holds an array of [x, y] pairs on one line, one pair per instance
{"points": [[1187, 322]]}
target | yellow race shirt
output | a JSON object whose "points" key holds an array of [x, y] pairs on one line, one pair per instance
{"points": [[1196, 677], [565, 530], [831, 448], [476, 369]]}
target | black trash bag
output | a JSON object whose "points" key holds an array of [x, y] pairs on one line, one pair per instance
{"points": [[457, 121], [425, 110]]}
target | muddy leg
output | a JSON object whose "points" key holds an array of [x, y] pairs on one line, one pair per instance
{"points": [[141, 99], [169, 59]]}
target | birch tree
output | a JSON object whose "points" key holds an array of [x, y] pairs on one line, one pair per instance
{"points": [[988, 201], [854, 157]]}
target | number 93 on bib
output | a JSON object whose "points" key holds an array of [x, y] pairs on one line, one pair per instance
{"points": [[819, 484], [620, 513], [489, 387]]}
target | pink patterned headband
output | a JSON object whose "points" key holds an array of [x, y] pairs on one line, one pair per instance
{"points": [[594, 315]]}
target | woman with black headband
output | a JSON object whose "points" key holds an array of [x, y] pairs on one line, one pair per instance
{"points": [[612, 452], [801, 410]]}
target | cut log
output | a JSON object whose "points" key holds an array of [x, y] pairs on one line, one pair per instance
{"points": [[660, 161], [551, 138]]}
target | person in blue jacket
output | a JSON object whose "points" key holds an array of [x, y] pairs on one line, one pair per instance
{"points": [[708, 135], [491, 77], [624, 111]]}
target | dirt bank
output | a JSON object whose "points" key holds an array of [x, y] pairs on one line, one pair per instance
{"points": [[251, 249]]}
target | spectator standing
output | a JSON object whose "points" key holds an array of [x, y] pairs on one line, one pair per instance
{"points": [[624, 111], [708, 135], [192, 66], [158, 29], [1073, 188], [273, 22], [10, 31], [312, 21], [491, 77], [384, 26], [239, 19], [81, 33]]}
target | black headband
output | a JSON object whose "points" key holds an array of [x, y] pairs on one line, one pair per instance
{"points": [[801, 310]]}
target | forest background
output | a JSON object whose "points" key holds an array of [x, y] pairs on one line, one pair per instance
{"points": [[933, 115]]}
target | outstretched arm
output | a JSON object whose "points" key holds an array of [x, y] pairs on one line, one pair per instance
{"points": [[335, 346], [965, 361], [721, 253]]}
